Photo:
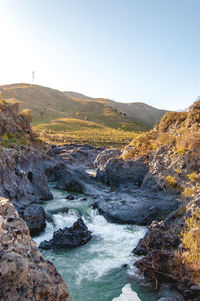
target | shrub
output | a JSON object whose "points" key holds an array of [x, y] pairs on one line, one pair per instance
{"points": [[27, 114], [190, 238], [190, 191], [188, 141], [193, 176], [12, 140], [171, 181], [178, 171], [181, 150], [171, 119]]}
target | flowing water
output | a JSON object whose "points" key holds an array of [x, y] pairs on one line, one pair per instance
{"points": [[101, 270]]}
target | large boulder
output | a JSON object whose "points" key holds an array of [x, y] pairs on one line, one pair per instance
{"points": [[34, 216], [77, 180], [24, 273], [118, 171], [155, 183], [105, 155], [72, 237], [70, 181], [136, 209]]}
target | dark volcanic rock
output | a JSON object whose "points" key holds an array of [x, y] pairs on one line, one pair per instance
{"points": [[22, 177], [159, 236], [77, 155], [34, 216], [70, 197], [72, 237], [24, 273], [39, 184], [54, 170], [71, 182], [77, 180], [117, 172], [138, 209]]}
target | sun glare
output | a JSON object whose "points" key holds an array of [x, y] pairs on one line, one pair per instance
{"points": [[15, 53]]}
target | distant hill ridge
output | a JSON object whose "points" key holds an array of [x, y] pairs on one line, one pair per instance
{"points": [[49, 106], [139, 112], [59, 103]]}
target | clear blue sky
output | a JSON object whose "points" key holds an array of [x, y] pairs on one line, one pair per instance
{"points": [[126, 50]]}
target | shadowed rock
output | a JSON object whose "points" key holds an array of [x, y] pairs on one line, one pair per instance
{"points": [[117, 172], [72, 237], [138, 208], [34, 216]]}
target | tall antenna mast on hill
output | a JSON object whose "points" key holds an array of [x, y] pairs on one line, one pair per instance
{"points": [[33, 78]]}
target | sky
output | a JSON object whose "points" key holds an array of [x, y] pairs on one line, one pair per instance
{"points": [[125, 50]]}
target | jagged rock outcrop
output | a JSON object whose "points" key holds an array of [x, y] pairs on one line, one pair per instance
{"points": [[24, 273], [22, 177], [172, 150], [105, 155], [72, 237], [11, 122], [155, 265], [166, 162]]}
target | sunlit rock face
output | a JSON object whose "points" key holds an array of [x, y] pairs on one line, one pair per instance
{"points": [[11, 122], [24, 273]]}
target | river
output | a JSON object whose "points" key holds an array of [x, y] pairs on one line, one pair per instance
{"points": [[101, 270]]}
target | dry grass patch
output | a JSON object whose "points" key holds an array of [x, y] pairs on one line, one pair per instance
{"points": [[190, 251], [70, 130]]}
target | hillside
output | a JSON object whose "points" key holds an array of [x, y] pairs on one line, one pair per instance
{"points": [[139, 112], [38, 99], [58, 117]]}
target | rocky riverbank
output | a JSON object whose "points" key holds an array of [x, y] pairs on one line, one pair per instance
{"points": [[24, 273], [158, 188]]}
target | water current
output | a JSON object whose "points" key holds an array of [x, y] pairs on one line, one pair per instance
{"points": [[101, 270]]}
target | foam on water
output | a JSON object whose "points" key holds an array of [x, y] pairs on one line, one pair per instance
{"points": [[63, 220], [112, 248], [46, 235], [111, 245], [127, 294], [60, 220], [94, 271]]}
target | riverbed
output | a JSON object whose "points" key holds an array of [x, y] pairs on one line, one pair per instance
{"points": [[101, 270]]}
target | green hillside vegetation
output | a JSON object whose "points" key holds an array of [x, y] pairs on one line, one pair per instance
{"points": [[80, 131], [49, 104], [141, 113], [73, 117]]}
